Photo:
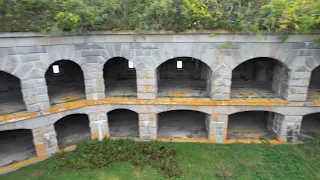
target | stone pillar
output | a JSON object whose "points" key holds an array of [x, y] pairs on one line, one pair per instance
{"points": [[45, 140], [217, 128], [287, 128], [221, 84], [99, 125], [35, 94], [297, 87], [147, 84], [94, 82], [148, 126], [280, 80]]}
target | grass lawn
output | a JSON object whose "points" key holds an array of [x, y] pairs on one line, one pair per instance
{"points": [[204, 161]]}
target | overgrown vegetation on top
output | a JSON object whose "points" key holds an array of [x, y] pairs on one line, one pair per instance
{"points": [[91, 155], [177, 15]]}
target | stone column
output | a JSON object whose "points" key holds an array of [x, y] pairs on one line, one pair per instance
{"points": [[45, 140], [147, 84], [99, 125], [297, 88], [217, 128], [93, 76], [280, 80], [287, 128], [221, 84], [148, 126], [35, 94]]}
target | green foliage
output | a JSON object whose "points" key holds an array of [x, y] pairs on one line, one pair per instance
{"points": [[95, 154], [177, 15]]}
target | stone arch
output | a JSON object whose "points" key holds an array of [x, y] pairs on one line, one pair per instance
{"points": [[68, 79], [254, 108], [72, 128], [184, 77], [11, 95], [253, 124], [183, 124], [120, 77], [310, 123], [123, 123], [16, 145], [262, 77]]}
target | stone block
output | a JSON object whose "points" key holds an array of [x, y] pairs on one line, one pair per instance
{"points": [[146, 95], [86, 53], [30, 57]]}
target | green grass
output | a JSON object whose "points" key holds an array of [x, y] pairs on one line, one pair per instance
{"points": [[202, 161]]}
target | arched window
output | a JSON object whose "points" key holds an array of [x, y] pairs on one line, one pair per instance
{"points": [[182, 124], [253, 125], [65, 82], [11, 99], [259, 78], [16, 145], [120, 78], [123, 123], [184, 77], [72, 129]]}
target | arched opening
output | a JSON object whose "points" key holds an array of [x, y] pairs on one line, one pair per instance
{"points": [[259, 78], [253, 125], [184, 77], [11, 99], [182, 124], [65, 82], [123, 123], [16, 145], [314, 85], [310, 124], [120, 78], [72, 129]]}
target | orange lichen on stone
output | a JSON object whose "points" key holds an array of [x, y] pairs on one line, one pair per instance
{"points": [[18, 116], [179, 94], [42, 153], [20, 164], [215, 117], [40, 146], [95, 135], [70, 98]]}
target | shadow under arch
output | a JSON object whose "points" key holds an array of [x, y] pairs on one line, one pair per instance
{"points": [[183, 124], [16, 145], [72, 129], [310, 124], [314, 85], [65, 82], [123, 123], [184, 77], [120, 78], [255, 124], [260, 77], [11, 98]]}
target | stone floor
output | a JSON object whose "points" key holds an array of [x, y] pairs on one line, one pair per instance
{"points": [[72, 129], [16, 145], [311, 124], [248, 125], [11, 102], [123, 123], [181, 124], [313, 92], [182, 88], [62, 93], [249, 89], [121, 88]]}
